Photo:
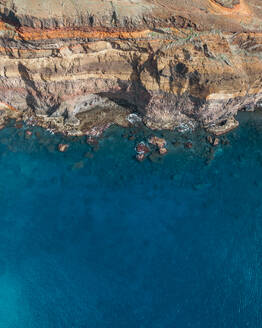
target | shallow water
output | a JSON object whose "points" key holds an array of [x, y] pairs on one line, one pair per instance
{"points": [[110, 242]]}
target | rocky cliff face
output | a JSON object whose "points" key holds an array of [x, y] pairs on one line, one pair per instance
{"points": [[79, 66]]}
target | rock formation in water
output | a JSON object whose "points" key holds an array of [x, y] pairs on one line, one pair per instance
{"points": [[79, 66]]}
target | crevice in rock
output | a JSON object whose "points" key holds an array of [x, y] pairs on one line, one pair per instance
{"points": [[30, 85], [9, 17]]}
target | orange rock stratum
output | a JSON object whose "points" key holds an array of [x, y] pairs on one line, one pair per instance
{"points": [[79, 66]]}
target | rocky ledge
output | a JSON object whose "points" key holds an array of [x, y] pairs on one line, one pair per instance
{"points": [[80, 66]]}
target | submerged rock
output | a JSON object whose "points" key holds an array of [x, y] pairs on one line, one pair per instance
{"points": [[51, 148], [140, 157], [89, 155], [188, 145], [225, 141], [155, 157], [78, 165], [19, 125], [176, 143]]}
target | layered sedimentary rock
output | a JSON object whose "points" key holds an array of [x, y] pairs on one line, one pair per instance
{"points": [[78, 66]]}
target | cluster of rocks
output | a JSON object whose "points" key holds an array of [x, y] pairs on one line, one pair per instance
{"points": [[160, 143], [154, 144], [214, 141], [149, 147]]}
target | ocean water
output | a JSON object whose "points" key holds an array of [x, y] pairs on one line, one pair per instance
{"points": [[94, 239]]}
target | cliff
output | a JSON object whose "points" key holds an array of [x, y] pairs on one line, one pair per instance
{"points": [[74, 66]]}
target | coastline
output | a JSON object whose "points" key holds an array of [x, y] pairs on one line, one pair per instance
{"points": [[169, 64], [147, 145]]}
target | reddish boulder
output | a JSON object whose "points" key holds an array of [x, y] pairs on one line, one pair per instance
{"points": [[142, 148]]}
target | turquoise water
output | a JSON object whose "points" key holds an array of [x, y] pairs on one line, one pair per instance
{"points": [[96, 239]]}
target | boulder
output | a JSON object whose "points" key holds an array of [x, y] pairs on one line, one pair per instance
{"points": [[63, 147]]}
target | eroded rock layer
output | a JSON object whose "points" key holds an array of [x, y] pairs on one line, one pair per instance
{"points": [[75, 65]]}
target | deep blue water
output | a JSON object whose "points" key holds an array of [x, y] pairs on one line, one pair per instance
{"points": [[110, 242]]}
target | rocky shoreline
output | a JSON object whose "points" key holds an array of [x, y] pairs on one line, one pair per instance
{"points": [[78, 70], [146, 145]]}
